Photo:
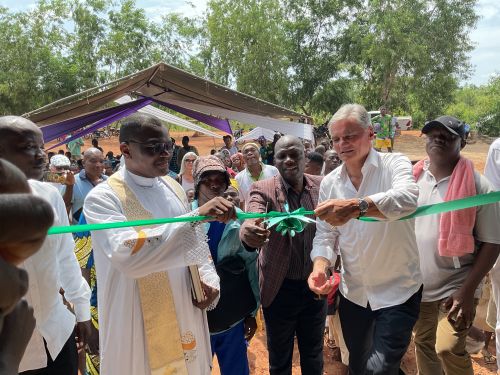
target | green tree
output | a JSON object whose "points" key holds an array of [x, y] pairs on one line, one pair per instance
{"points": [[246, 47], [34, 65], [314, 31], [410, 54], [479, 106], [85, 40], [128, 46], [178, 40]]}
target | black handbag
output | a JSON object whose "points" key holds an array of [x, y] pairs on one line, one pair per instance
{"points": [[237, 300]]}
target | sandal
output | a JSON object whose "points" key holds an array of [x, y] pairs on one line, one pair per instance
{"points": [[489, 359]]}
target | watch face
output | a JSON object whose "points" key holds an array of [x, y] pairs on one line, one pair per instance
{"points": [[363, 205]]}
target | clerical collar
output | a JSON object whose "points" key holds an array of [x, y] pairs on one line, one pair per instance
{"points": [[142, 181]]}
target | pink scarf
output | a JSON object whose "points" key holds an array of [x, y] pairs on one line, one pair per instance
{"points": [[455, 227]]}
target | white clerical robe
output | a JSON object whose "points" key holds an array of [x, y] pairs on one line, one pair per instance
{"points": [[168, 248]]}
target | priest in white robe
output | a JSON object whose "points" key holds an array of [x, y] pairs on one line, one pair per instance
{"points": [[148, 322]]}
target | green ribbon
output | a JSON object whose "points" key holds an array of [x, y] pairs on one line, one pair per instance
{"points": [[167, 220], [286, 221], [294, 222], [457, 204]]}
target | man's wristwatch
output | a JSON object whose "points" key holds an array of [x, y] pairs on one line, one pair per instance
{"points": [[363, 207]]}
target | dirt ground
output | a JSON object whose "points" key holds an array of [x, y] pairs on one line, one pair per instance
{"points": [[409, 143]]}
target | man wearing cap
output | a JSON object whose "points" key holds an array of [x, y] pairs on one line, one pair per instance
{"points": [[60, 165], [255, 170], [229, 342], [456, 249]]}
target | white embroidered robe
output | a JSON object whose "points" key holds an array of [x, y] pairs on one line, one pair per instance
{"points": [[167, 247]]}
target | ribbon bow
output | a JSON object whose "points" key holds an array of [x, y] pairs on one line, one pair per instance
{"points": [[290, 222]]}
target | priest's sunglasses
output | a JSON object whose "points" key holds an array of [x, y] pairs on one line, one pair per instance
{"points": [[154, 148]]}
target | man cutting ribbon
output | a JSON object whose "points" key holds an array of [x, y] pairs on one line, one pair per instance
{"points": [[289, 307], [148, 322]]}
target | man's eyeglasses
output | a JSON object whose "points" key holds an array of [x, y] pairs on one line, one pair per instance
{"points": [[155, 148]]}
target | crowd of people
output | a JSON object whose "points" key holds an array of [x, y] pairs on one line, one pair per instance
{"points": [[167, 298]]}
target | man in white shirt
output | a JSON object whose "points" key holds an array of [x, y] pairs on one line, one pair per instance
{"points": [[255, 170], [492, 173], [381, 282], [148, 322], [52, 348], [452, 277]]}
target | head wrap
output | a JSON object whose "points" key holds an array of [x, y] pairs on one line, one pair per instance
{"points": [[250, 144], [59, 161], [208, 164]]}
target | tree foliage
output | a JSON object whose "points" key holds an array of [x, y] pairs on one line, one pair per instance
{"points": [[309, 55], [410, 54], [479, 106]]}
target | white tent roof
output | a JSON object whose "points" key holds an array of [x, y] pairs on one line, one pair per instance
{"points": [[168, 117], [298, 129], [256, 133]]}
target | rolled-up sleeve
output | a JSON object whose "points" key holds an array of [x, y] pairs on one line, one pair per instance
{"points": [[401, 199]]}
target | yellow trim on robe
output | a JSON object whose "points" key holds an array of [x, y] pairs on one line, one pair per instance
{"points": [[163, 337]]}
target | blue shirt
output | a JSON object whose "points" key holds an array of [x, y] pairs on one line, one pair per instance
{"points": [[214, 236], [80, 190]]}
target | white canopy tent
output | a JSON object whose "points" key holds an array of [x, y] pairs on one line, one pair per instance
{"points": [[298, 129], [168, 117], [256, 133]]}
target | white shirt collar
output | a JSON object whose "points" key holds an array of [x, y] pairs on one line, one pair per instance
{"points": [[141, 181], [373, 159]]}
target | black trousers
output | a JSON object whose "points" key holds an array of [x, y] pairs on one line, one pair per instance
{"points": [[377, 340], [295, 311], [66, 362]]}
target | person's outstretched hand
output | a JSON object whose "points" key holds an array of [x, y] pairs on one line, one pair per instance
{"points": [[219, 209], [319, 282], [254, 233], [14, 337], [337, 212]]}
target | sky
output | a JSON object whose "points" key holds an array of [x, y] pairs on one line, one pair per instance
{"points": [[485, 58]]}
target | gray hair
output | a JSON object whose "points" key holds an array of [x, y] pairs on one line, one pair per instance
{"points": [[183, 162], [354, 112]]}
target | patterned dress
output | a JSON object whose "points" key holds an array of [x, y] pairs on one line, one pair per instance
{"points": [[85, 256]]}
